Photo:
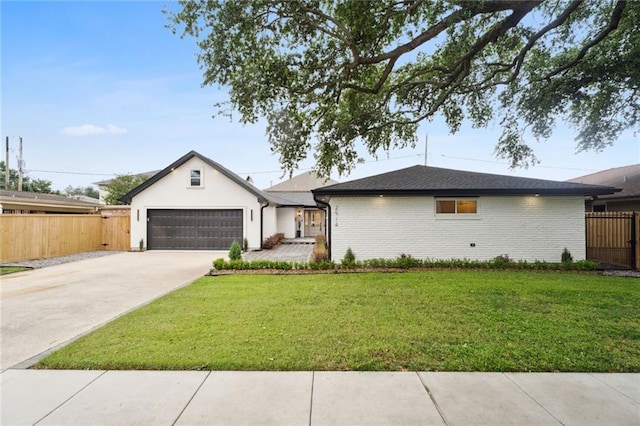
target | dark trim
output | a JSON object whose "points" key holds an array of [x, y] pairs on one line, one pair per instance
{"points": [[266, 204], [182, 160], [455, 192], [328, 224]]}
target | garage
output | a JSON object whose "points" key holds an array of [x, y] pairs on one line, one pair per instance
{"points": [[193, 229]]}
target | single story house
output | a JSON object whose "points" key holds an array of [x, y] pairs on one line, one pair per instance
{"points": [[197, 204], [24, 202], [627, 178], [436, 213]]}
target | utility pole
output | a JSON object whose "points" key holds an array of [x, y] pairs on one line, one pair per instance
{"points": [[6, 167], [426, 146], [20, 164]]}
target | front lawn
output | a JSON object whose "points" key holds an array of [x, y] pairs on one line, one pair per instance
{"points": [[433, 320], [6, 270]]}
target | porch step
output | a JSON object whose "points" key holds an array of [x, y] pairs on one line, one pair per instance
{"points": [[303, 240]]}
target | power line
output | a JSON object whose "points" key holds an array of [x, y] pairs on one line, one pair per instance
{"points": [[71, 173], [503, 163], [307, 169]]}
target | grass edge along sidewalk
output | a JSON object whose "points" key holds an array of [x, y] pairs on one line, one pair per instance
{"points": [[415, 321]]}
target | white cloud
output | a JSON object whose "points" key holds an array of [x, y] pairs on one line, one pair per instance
{"points": [[93, 130]]}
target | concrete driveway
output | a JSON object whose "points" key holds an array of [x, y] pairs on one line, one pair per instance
{"points": [[43, 308]]}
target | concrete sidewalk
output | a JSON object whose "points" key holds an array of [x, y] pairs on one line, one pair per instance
{"points": [[53, 397]]}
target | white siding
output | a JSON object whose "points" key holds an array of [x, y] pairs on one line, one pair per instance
{"points": [[271, 218], [523, 227], [218, 192], [287, 221]]}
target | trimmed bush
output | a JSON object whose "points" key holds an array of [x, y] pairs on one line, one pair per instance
{"points": [[235, 253], [349, 258], [566, 256], [404, 262]]}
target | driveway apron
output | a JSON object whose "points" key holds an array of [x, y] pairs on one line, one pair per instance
{"points": [[43, 308]]}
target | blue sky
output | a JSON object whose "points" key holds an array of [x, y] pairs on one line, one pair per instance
{"points": [[103, 88]]}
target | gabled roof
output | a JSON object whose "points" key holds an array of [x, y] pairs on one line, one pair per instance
{"points": [[626, 177], [424, 180], [262, 197], [304, 182]]}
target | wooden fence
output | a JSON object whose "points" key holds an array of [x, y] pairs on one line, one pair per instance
{"points": [[613, 239], [38, 236]]}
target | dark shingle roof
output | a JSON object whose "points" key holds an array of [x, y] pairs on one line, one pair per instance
{"points": [[292, 199], [424, 180], [626, 177]]}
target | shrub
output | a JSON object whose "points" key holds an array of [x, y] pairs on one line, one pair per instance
{"points": [[566, 256], [273, 241], [245, 245], [501, 261], [234, 252], [320, 252], [219, 263], [349, 258], [322, 265], [406, 261]]}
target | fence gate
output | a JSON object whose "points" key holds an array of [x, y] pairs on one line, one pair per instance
{"points": [[611, 239]]}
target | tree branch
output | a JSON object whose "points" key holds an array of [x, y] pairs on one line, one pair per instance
{"points": [[611, 26]]}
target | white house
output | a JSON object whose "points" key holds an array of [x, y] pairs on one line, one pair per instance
{"points": [[436, 213], [197, 204]]}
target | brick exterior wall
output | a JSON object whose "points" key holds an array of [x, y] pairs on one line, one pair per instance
{"points": [[523, 227]]}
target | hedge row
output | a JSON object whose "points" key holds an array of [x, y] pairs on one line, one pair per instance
{"points": [[405, 262]]}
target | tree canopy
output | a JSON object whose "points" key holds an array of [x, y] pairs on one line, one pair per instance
{"points": [[328, 74], [120, 185], [42, 186], [88, 191]]}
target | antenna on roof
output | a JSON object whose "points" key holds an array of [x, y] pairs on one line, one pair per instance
{"points": [[426, 146]]}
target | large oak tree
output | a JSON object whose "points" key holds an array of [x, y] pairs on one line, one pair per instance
{"points": [[327, 74]]}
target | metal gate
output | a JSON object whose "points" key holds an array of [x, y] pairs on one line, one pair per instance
{"points": [[611, 239]]}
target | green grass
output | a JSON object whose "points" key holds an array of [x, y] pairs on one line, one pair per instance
{"points": [[4, 270], [434, 320]]}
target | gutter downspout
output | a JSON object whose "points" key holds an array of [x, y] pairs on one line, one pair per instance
{"points": [[262, 206], [328, 226]]}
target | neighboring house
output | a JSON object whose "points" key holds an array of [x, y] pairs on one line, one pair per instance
{"points": [[436, 213], [627, 178], [34, 202], [104, 184], [298, 214]]}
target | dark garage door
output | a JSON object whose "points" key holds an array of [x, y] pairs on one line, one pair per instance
{"points": [[193, 229]]}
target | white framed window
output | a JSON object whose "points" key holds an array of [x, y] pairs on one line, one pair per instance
{"points": [[456, 206], [196, 178]]}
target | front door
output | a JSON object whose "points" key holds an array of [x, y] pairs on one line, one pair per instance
{"points": [[313, 223]]}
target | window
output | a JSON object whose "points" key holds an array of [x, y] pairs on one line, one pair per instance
{"points": [[196, 178], [456, 206]]}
